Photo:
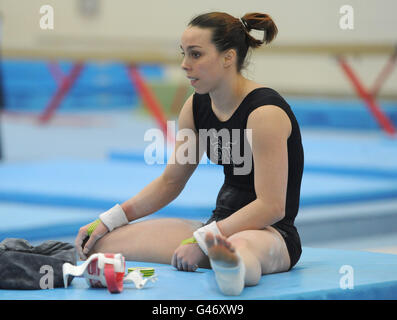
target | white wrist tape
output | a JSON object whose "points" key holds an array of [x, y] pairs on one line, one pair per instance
{"points": [[114, 218], [200, 233]]}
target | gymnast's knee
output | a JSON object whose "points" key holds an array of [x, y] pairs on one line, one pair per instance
{"points": [[102, 245], [238, 241]]}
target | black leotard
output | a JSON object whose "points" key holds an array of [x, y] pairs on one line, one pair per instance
{"points": [[238, 188]]}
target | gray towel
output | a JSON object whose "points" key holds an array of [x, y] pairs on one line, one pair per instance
{"points": [[23, 266]]}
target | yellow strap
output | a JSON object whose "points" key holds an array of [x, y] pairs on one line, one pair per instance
{"points": [[93, 226], [146, 272], [189, 240]]}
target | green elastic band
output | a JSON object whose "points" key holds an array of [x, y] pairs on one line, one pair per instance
{"points": [[93, 226], [189, 240]]}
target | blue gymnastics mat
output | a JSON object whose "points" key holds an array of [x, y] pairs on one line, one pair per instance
{"points": [[318, 275], [56, 197], [98, 184]]}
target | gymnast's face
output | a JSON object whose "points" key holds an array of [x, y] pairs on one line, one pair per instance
{"points": [[202, 62]]}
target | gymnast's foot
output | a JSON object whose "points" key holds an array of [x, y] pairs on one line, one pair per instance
{"points": [[227, 264], [221, 251]]}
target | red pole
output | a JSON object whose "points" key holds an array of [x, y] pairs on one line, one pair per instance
{"points": [[380, 117], [150, 100], [62, 90], [388, 68], [56, 72]]}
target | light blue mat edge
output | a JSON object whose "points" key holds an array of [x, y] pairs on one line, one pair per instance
{"points": [[314, 265]]}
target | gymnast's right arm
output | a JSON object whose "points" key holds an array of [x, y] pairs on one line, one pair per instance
{"points": [[156, 194], [169, 185]]}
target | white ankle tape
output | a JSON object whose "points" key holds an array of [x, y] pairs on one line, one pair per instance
{"points": [[230, 280], [114, 218], [200, 233]]}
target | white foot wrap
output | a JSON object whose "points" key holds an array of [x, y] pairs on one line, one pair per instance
{"points": [[114, 218], [200, 233], [230, 279]]}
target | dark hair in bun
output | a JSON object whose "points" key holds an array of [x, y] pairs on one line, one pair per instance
{"points": [[229, 32]]}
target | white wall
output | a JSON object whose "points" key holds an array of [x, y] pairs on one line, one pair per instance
{"points": [[299, 22]]}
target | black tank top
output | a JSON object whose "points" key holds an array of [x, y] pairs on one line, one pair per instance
{"points": [[221, 137]]}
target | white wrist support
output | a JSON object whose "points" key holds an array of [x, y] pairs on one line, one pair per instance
{"points": [[114, 218], [200, 233]]}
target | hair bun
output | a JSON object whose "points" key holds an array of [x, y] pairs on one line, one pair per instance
{"points": [[263, 22], [229, 32]]}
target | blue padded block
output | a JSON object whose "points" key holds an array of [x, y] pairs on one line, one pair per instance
{"points": [[340, 154], [33, 222], [315, 277], [99, 184], [37, 222], [338, 113]]}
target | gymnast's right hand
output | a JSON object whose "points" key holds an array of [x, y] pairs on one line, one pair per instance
{"points": [[87, 236], [109, 220]]}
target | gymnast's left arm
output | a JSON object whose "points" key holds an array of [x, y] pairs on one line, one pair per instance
{"points": [[270, 129]]}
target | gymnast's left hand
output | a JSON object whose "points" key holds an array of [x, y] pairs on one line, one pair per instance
{"points": [[187, 257]]}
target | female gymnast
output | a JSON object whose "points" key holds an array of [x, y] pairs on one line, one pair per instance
{"points": [[251, 231]]}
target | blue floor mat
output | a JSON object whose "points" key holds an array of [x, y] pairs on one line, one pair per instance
{"points": [[318, 275], [99, 184]]}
